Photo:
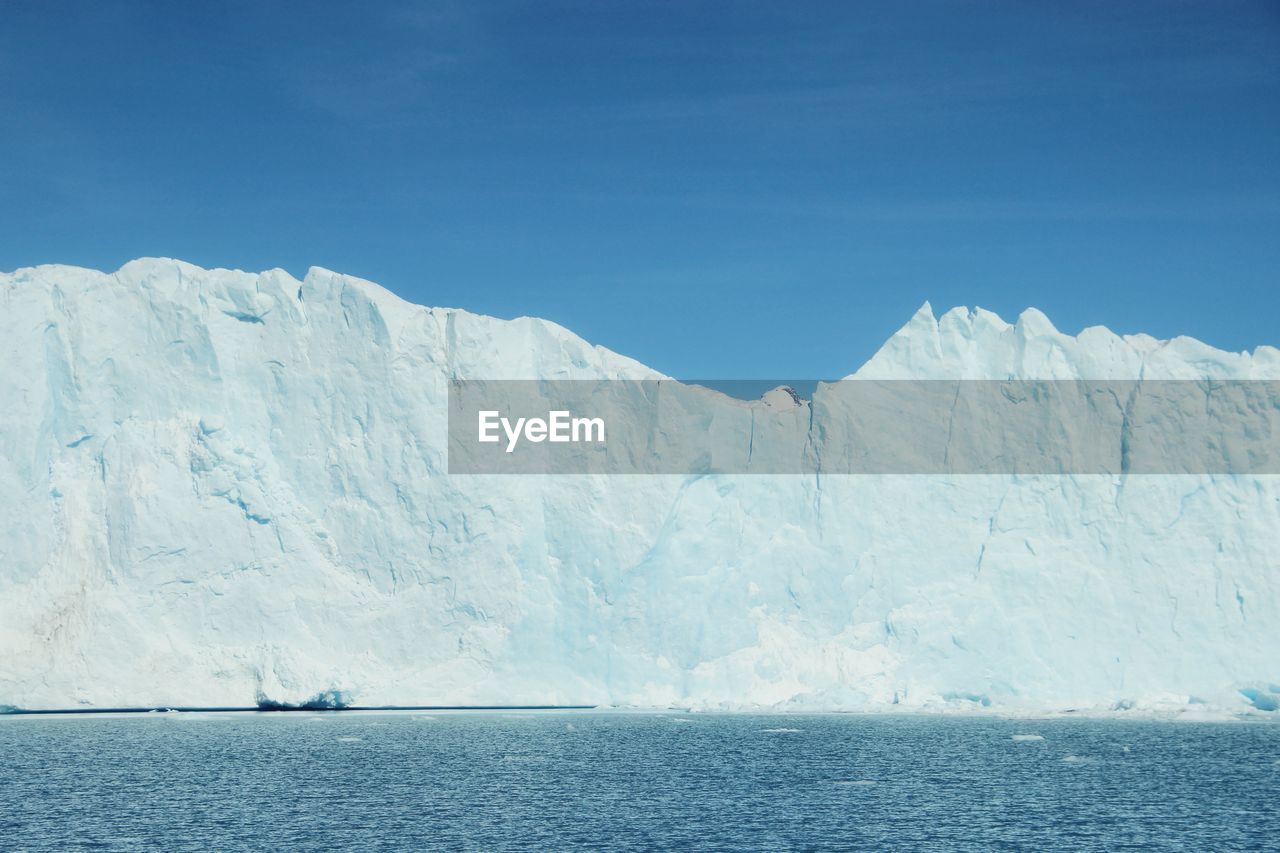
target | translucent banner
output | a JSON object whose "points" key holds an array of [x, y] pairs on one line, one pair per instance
{"points": [[866, 427]]}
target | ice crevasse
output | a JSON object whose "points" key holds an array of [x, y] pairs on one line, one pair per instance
{"points": [[222, 488]]}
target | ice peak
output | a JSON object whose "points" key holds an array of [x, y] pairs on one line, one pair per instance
{"points": [[978, 344], [782, 397], [1033, 322], [923, 317]]}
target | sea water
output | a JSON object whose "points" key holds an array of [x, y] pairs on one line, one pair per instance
{"points": [[550, 781]]}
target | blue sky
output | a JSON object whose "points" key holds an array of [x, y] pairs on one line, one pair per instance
{"points": [[717, 189]]}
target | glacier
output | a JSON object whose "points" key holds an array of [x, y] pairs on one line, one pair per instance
{"points": [[224, 488]]}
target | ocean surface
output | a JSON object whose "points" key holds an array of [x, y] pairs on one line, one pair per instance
{"points": [[556, 780]]}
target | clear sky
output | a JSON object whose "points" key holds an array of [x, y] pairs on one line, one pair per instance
{"points": [[717, 189]]}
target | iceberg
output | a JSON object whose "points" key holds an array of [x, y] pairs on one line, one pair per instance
{"points": [[228, 489]]}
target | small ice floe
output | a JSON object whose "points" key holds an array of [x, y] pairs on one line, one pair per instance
{"points": [[781, 731], [316, 720], [1076, 759], [858, 783], [682, 720], [350, 739], [570, 727], [424, 718], [1026, 738]]}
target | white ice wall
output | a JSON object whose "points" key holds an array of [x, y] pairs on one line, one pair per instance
{"points": [[220, 487]]}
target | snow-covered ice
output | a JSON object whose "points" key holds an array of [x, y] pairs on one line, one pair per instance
{"points": [[220, 488]]}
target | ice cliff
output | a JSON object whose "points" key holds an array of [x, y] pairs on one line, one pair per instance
{"points": [[220, 488]]}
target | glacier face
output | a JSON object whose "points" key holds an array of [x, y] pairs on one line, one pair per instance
{"points": [[221, 488]]}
